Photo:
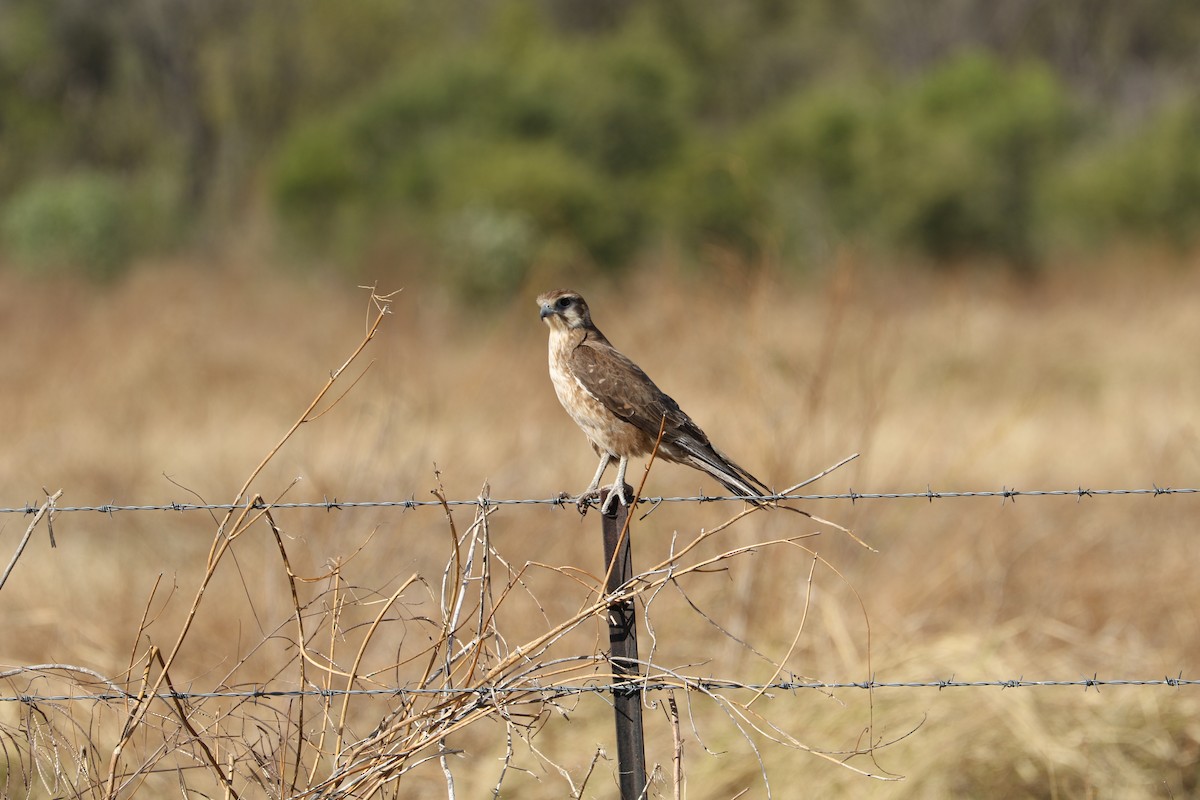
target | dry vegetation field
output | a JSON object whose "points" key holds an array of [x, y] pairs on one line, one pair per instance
{"points": [[174, 384]]}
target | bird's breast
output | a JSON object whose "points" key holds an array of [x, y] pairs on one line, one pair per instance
{"points": [[607, 431]]}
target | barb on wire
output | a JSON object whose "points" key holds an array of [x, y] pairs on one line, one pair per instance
{"points": [[334, 504]]}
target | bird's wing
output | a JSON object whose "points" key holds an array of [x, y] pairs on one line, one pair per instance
{"points": [[627, 392]]}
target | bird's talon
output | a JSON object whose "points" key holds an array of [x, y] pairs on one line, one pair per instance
{"points": [[585, 500], [617, 492]]}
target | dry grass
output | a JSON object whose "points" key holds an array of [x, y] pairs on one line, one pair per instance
{"points": [[175, 384]]}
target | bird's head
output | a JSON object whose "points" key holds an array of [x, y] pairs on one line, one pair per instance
{"points": [[563, 309]]}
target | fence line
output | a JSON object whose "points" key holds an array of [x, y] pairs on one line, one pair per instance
{"points": [[930, 495], [390, 749], [646, 685]]}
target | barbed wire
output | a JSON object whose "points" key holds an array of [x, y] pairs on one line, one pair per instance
{"points": [[647, 685], [1004, 493]]}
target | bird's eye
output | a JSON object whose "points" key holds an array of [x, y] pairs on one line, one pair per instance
{"points": [[564, 302]]}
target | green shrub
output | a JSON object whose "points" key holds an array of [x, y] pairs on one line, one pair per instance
{"points": [[949, 166], [335, 176], [560, 141], [487, 251], [1144, 185], [961, 156], [623, 106], [319, 168], [586, 147], [716, 201], [571, 211], [81, 221], [810, 160]]}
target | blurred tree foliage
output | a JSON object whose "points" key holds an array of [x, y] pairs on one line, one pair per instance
{"points": [[491, 136], [563, 141]]}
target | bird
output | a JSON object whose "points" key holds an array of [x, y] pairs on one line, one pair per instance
{"points": [[621, 411]]}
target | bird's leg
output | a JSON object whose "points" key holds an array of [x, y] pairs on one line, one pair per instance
{"points": [[618, 487], [605, 459], [591, 492]]}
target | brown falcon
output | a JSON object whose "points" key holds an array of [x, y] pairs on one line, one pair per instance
{"points": [[620, 409]]}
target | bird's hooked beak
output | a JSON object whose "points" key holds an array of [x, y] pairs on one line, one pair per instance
{"points": [[547, 310]]}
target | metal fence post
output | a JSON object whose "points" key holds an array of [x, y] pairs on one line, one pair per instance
{"points": [[623, 652]]}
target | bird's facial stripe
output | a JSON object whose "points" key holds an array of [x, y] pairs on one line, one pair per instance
{"points": [[567, 307]]}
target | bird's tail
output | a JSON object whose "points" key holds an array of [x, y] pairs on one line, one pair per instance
{"points": [[726, 472]]}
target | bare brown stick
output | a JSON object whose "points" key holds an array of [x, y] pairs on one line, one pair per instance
{"points": [[300, 643], [47, 508], [335, 577], [815, 518], [143, 623], [799, 630], [677, 749], [184, 719], [333, 377], [91, 673]]}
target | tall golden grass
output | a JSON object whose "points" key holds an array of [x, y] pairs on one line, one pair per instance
{"points": [[173, 385]]}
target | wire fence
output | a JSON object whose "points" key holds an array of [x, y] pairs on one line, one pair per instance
{"points": [[503, 683], [929, 494], [645, 685]]}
